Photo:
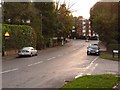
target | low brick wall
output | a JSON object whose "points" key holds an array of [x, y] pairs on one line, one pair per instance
{"points": [[10, 52]]}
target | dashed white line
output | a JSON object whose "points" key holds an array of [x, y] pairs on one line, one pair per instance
{"points": [[9, 71], [35, 63], [51, 58], [60, 55]]}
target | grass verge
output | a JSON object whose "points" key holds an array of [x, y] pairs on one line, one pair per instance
{"points": [[93, 81], [109, 56]]}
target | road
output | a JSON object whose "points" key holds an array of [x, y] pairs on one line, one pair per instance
{"points": [[54, 66]]}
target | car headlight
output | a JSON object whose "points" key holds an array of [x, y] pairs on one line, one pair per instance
{"points": [[97, 50], [89, 50]]}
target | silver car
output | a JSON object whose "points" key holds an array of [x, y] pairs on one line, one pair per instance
{"points": [[93, 49], [27, 51]]}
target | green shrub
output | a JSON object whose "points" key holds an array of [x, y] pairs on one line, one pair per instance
{"points": [[0, 38], [20, 36], [47, 42]]}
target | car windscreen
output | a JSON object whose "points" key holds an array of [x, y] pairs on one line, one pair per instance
{"points": [[94, 47]]}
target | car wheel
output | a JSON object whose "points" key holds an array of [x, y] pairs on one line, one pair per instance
{"points": [[98, 54], [19, 56], [36, 54], [88, 53]]}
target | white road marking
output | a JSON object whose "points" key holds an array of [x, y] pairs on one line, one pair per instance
{"points": [[92, 63], [88, 74], [80, 75], [60, 55], [94, 66], [9, 71], [51, 58], [92, 69], [35, 63]]}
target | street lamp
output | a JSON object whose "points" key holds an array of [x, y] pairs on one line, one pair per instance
{"points": [[62, 38], [74, 34], [6, 36], [41, 23]]}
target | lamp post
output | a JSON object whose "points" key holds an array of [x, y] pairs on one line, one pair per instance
{"points": [[74, 34], [6, 36], [62, 38], [41, 23]]}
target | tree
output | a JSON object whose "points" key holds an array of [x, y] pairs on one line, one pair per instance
{"points": [[47, 11], [105, 24], [19, 13], [65, 20], [104, 21], [45, 19]]}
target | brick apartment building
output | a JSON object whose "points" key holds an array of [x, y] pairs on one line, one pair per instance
{"points": [[84, 28]]}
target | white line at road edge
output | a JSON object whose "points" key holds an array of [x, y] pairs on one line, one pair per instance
{"points": [[9, 71], [92, 62], [51, 58], [94, 66], [92, 69], [80, 75]]}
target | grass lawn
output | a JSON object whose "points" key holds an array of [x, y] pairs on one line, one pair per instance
{"points": [[93, 81], [109, 56]]}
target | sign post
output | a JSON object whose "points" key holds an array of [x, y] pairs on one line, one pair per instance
{"points": [[115, 52], [6, 36]]}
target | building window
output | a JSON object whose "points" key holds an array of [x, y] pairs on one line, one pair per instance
{"points": [[84, 31], [89, 30]]}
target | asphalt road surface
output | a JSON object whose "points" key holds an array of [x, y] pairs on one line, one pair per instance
{"points": [[54, 66]]}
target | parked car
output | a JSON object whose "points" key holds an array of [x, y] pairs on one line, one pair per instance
{"points": [[27, 51], [93, 49]]}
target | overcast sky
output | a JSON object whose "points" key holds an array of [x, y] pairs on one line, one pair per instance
{"points": [[78, 7], [81, 7]]}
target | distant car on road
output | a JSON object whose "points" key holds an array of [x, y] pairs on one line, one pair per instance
{"points": [[27, 51], [86, 40], [93, 49]]}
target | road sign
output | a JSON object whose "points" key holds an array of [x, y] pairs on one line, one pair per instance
{"points": [[7, 34]]}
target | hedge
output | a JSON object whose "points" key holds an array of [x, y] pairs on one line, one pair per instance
{"points": [[113, 46], [0, 38], [20, 36]]}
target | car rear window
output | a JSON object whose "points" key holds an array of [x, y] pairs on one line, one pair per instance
{"points": [[26, 48]]}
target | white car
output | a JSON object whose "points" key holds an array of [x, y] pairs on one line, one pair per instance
{"points": [[25, 51]]}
